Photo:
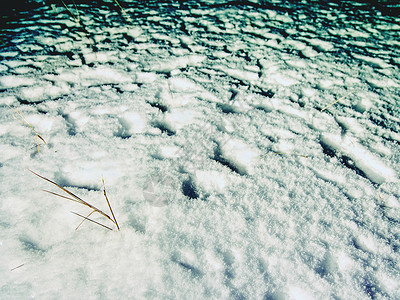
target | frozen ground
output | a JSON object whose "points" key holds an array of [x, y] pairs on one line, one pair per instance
{"points": [[229, 172]]}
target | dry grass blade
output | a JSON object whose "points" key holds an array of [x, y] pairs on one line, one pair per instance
{"points": [[61, 196], [280, 153], [334, 102], [86, 218], [38, 137], [109, 206], [65, 190], [75, 198], [126, 16], [76, 17], [79, 22], [17, 267]]}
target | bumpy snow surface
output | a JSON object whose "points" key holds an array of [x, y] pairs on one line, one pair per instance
{"points": [[249, 149]]}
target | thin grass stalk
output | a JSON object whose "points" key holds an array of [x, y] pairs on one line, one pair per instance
{"points": [[77, 18], [37, 135], [62, 196], [127, 17], [17, 267], [280, 153], [334, 102], [109, 205], [77, 199], [85, 218]]}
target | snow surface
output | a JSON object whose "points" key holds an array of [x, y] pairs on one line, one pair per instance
{"points": [[250, 150]]}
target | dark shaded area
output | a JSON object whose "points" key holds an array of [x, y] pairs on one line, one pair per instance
{"points": [[226, 163], [12, 11], [31, 246], [349, 163], [372, 289], [163, 128], [345, 160], [189, 190], [160, 106], [194, 271]]}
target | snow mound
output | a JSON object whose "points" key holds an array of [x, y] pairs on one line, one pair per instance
{"points": [[239, 156], [93, 76], [131, 123], [242, 75], [172, 64], [176, 119], [11, 81], [210, 181], [42, 92], [370, 165]]}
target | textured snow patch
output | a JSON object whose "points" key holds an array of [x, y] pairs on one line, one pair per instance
{"points": [[238, 74], [178, 84], [369, 164], [277, 78], [94, 76], [307, 92], [87, 175], [104, 75], [239, 156], [363, 105], [297, 45], [372, 61], [278, 133], [8, 100], [321, 45], [381, 84], [210, 181], [77, 120], [182, 91], [188, 90], [177, 119], [99, 57], [165, 97], [330, 176], [367, 243], [176, 63], [135, 32], [144, 77], [169, 152], [350, 124], [10, 81], [43, 123], [236, 107], [309, 52], [268, 105], [33, 94], [297, 293], [42, 92], [131, 123]]}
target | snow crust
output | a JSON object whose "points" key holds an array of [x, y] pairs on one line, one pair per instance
{"points": [[249, 150]]}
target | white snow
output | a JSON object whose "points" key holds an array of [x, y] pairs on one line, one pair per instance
{"points": [[131, 123], [247, 152], [372, 166], [238, 155], [167, 66], [10, 81]]}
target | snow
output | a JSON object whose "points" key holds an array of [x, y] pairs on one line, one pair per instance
{"points": [[370, 165], [11, 81], [238, 155], [248, 151]]}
